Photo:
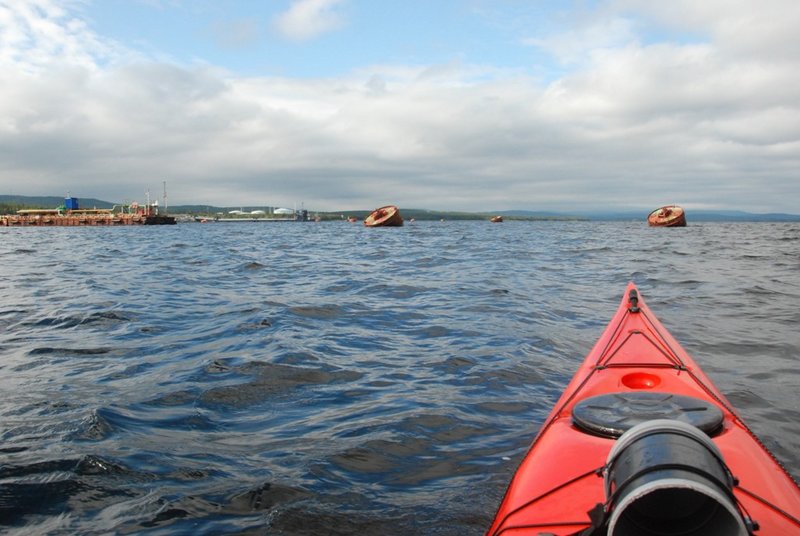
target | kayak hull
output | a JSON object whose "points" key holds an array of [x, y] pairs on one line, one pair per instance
{"points": [[560, 478]]}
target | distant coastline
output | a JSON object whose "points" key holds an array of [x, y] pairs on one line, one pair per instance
{"points": [[11, 203]]}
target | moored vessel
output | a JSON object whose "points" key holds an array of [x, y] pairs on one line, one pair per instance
{"points": [[667, 216], [70, 214], [388, 216], [642, 442]]}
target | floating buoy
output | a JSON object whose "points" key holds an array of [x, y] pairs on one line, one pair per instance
{"points": [[388, 216], [667, 216]]}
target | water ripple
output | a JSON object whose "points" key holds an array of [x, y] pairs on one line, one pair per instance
{"points": [[308, 378]]}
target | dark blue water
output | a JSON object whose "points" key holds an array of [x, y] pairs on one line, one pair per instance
{"points": [[330, 379]]}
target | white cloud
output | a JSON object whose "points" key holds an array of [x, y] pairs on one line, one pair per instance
{"points": [[307, 19], [711, 123], [575, 44], [765, 28], [37, 34]]}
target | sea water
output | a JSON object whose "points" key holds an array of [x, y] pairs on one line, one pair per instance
{"points": [[307, 378]]}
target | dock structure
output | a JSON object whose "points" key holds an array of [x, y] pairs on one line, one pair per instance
{"points": [[72, 215]]}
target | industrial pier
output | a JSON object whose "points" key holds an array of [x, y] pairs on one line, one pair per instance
{"points": [[70, 214]]}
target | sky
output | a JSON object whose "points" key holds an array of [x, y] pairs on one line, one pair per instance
{"points": [[474, 105]]}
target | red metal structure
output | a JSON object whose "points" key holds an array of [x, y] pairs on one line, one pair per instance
{"points": [[388, 216], [668, 216]]}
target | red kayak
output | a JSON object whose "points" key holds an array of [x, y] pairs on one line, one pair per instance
{"points": [[642, 443]]}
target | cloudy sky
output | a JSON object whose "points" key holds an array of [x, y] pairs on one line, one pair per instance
{"points": [[445, 104]]}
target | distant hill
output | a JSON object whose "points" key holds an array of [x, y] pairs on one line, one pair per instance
{"points": [[50, 201], [10, 201], [691, 215], [735, 215], [422, 215]]}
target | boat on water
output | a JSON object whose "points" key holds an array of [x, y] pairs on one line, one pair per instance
{"points": [[641, 442], [496, 219], [70, 214], [667, 216], [388, 216]]}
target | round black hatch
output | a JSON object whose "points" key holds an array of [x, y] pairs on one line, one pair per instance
{"points": [[612, 414]]}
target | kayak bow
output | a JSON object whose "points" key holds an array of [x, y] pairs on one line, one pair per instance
{"points": [[641, 442]]}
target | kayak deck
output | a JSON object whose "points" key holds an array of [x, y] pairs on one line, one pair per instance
{"points": [[561, 477]]}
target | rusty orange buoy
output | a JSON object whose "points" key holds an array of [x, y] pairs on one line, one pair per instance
{"points": [[388, 216], [667, 216]]}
